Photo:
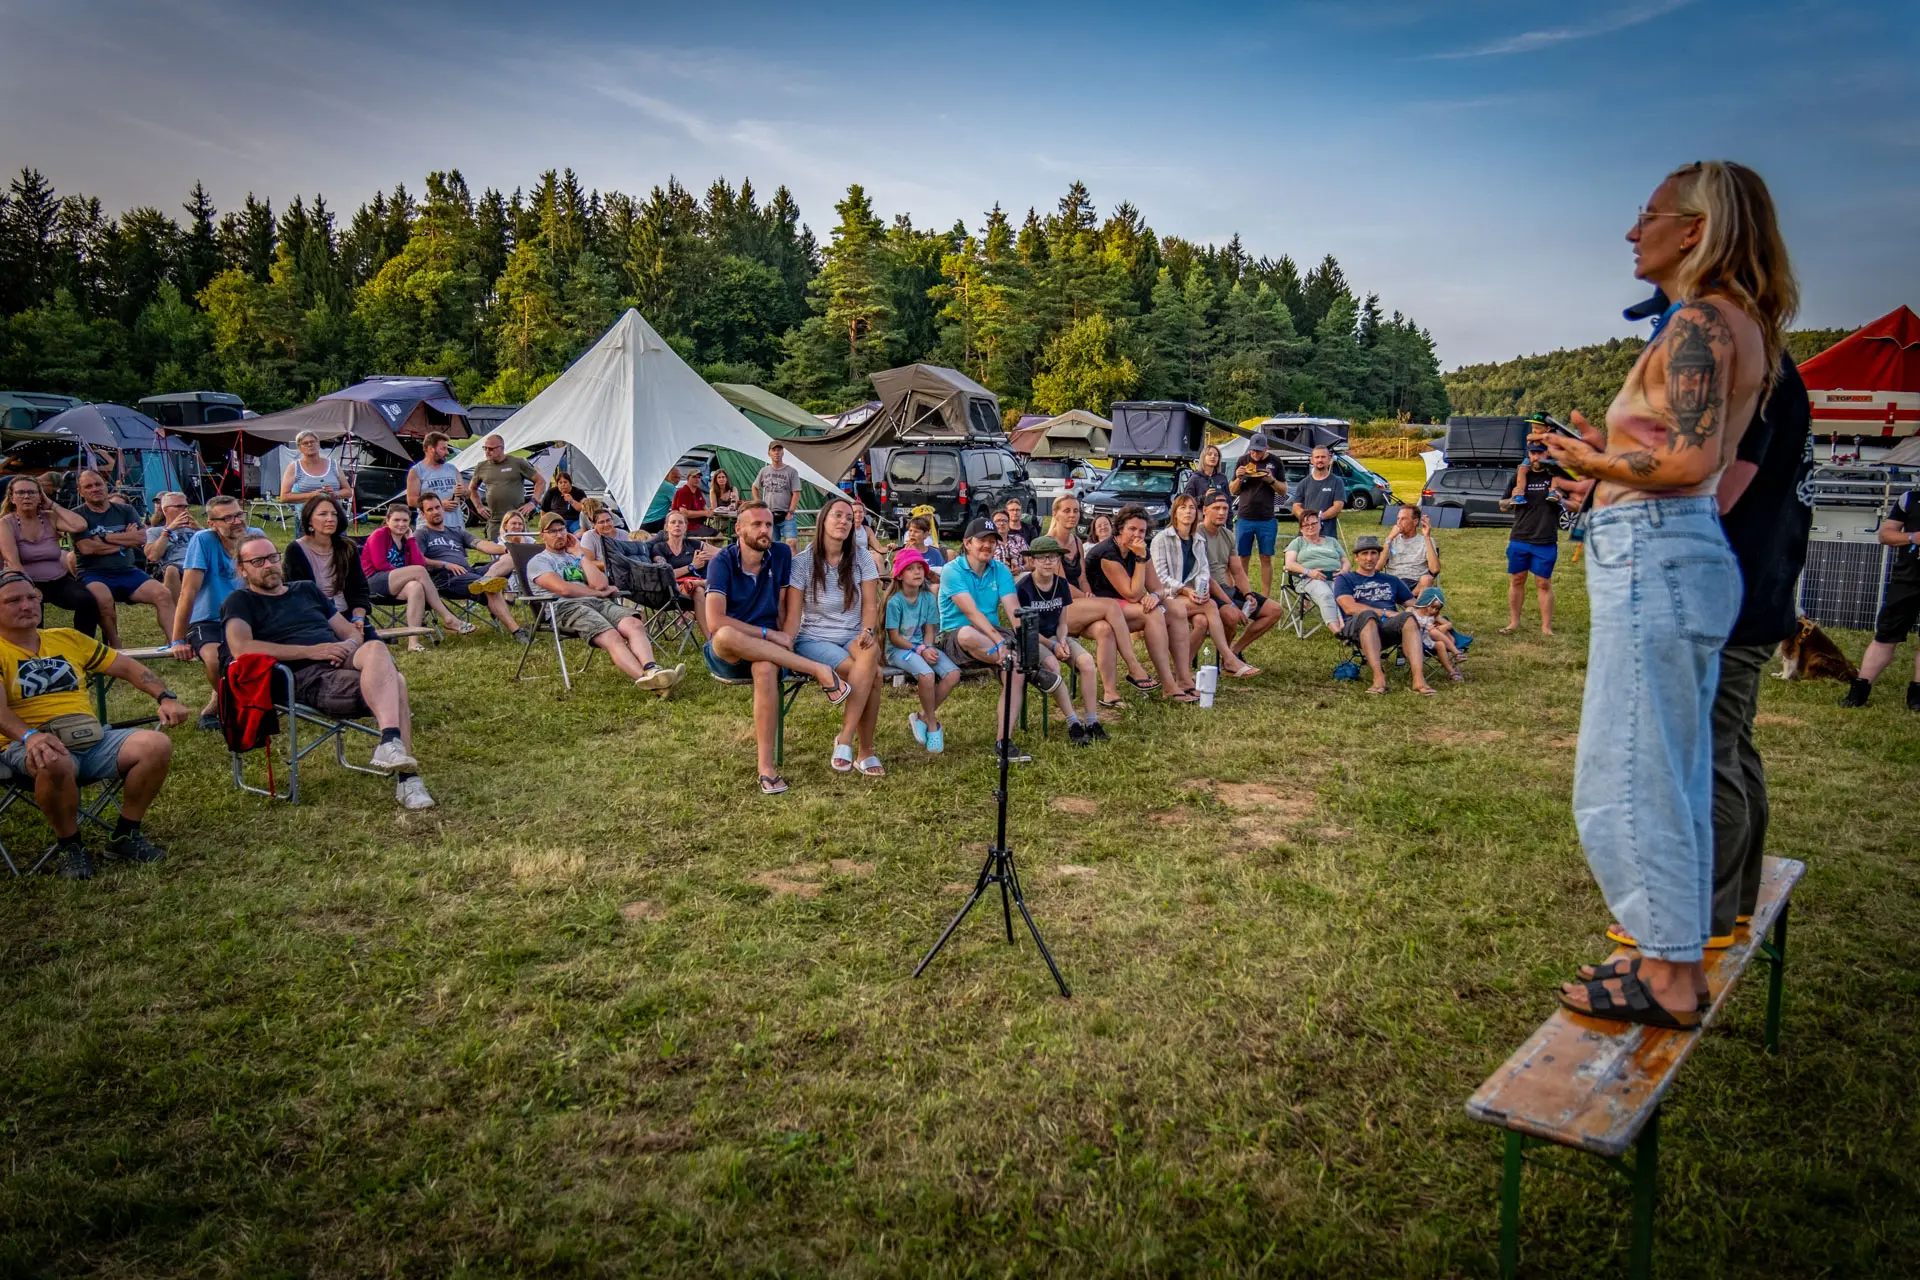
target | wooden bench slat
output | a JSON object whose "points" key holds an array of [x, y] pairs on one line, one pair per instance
{"points": [[1588, 1083]]}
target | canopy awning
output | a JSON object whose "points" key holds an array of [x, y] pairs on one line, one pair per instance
{"points": [[1868, 383]]}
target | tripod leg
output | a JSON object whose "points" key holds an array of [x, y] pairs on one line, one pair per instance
{"points": [[1013, 879], [1006, 905], [979, 887]]}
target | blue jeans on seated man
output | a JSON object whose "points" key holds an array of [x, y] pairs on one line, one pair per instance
{"points": [[1664, 591]]}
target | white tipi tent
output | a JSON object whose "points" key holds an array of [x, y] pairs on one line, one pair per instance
{"points": [[633, 407]]}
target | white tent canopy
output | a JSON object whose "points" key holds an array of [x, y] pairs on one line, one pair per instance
{"points": [[633, 408]]}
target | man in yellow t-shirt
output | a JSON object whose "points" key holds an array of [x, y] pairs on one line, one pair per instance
{"points": [[43, 677]]}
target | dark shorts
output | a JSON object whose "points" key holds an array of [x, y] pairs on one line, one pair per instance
{"points": [[122, 583], [1535, 558], [722, 669], [381, 583], [1899, 612], [1391, 625], [949, 644], [202, 634], [333, 691]]}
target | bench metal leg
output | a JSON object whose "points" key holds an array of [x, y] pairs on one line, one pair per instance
{"points": [[1510, 1205], [1646, 1186], [1774, 952], [789, 694]]}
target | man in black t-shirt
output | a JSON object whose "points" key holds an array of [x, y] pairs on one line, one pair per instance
{"points": [[1901, 609], [104, 552], [1043, 586], [1321, 491], [1766, 525], [1534, 545], [335, 669], [445, 548]]}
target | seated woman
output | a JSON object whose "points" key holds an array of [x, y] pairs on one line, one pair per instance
{"points": [[1313, 562], [597, 529], [562, 498], [323, 555], [1120, 569], [1181, 562], [686, 555], [30, 530], [723, 501], [839, 591], [1098, 618], [396, 570]]}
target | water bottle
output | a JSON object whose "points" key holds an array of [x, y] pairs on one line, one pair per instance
{"points": [[1206, 681]]}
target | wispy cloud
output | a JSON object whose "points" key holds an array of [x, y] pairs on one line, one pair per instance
{"points": [[1529, 41]]}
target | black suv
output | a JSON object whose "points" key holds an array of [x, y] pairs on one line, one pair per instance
{"points": [[1475, 487], [959, 481], [1149, 482]]}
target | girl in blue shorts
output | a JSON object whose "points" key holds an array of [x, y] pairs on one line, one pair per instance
{"points": [[913, 628]]}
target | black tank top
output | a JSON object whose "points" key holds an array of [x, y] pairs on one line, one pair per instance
{"points": [[1538, 522]]}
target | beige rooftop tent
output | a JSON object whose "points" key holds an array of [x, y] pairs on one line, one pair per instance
{"points": [[918, 402]]}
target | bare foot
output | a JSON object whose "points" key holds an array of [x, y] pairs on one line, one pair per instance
{"points": [[1546, 631], [1509, 630], [1424, 687]]}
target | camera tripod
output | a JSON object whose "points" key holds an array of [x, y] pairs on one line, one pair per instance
{"points": [[998, 867]]}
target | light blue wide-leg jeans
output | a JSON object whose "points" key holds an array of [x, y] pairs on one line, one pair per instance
{"points": [[1664, 590]]}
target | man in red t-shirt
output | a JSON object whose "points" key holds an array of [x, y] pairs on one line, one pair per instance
{"points": [[690, 498]]}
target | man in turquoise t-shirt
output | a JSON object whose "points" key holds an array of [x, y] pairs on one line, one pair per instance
{"points": [[973, 587]]}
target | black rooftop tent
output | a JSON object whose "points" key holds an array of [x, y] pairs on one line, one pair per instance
{"points": [[1307, 432], [917, 402], [376, 412], [1161, 429]]}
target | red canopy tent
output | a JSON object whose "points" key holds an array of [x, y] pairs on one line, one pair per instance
{"points": [[1868, 383]]}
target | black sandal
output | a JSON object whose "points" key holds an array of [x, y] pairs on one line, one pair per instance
{"points": [[841, 688], [1145, 686], [1629, 967], [772, 785], [1636, 1004]]}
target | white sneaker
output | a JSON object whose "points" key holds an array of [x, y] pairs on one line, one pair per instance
{"points": [[391, 757], [412, 793]]}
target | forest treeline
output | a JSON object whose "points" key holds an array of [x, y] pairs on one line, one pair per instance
{"points": [[1583, 378], [498, 293]]}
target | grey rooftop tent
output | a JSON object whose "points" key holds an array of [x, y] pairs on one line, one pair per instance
{"points": [[1162, 429], [1073, 434], [918, 402]]}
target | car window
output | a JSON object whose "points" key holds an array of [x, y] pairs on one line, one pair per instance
{"points": [[1050, 468], [906, 468], [943, 471], [990, 466], [1141, 480]]}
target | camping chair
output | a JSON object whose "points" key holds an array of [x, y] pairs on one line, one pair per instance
{"points": [[391, 611], [667, 614], [18, 787], [293, 715], [545, 614], [271, 502], [1299, 614]]}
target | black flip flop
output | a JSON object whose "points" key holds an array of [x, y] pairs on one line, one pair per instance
{"points": [[1636, 1004], [840, 687], [772, 784], [1145, 686], [1621, 969]]}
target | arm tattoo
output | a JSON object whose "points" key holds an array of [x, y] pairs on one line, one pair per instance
{"points": [[1640, 462], [1696, 391]]}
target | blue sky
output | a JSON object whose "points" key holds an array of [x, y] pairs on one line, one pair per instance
{"points": [[1475, 163]]}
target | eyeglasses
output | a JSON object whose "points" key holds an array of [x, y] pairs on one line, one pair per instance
{"points": [[230, 517], [1640, 218], [254, 562]]}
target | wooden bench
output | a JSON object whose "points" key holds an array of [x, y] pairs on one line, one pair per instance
{"points": [[1596, 1086]]}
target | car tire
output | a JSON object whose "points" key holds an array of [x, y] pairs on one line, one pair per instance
{"points": [[1360, 501]]}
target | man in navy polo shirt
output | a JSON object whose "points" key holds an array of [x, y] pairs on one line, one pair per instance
{"points": [[751, 622], [1371, 601]]}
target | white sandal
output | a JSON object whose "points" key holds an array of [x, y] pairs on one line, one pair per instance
{"points": [[842, 757], [871, 767]]}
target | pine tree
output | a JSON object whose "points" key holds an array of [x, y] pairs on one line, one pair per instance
{"points": [[198, 260], [847, 336]]}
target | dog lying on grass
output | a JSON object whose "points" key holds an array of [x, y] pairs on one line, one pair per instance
{"points": [[1810, 654]]}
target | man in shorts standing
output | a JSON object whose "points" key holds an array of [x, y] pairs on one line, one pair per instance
{"points": [[588, 608], [104, 550], [1534, 545], [1901, 531], [499, 486], [1259, 484], [777, 485]]}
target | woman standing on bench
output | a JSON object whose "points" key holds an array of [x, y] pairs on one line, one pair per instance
{"points": [[1663, 584]]}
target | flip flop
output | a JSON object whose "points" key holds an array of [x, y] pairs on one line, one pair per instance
{"points": [[1428, 693], [1145, 686], [772, 785], [1113, 704], [1247, 672], [460, 628], [842, 757], [840, 691], [1370, 689], [1186, 696], [1635, 1004], [871, 767]]}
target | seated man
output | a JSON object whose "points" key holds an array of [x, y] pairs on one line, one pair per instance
{"points": [[336, 670], [104, 550], [588, 607], [445, 547], [752, 620], [1244, 613], [1412, 555], [171, 529], [207, 578], [53, 738], [1363, 593], [976, 589]]}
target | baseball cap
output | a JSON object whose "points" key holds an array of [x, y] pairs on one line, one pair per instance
{"points": [[1045, 545], [1259, 441], [981, 527], [1432, 595], [1534, 446], [1366, 542], [551, 519], [1219, 496]]}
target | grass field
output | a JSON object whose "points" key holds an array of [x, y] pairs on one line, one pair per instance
{"points": [[607, 1010]]}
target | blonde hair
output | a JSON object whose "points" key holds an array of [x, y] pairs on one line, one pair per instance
{"points": [[1740, 253], [591, 507]]}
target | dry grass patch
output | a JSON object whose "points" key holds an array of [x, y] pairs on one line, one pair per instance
{"points": [[803, 879], [549, 868], [1779, 721], [1078, 806], [635, 912]]}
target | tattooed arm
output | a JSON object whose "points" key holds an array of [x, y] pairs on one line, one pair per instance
{"points": [[1693, 367]]}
